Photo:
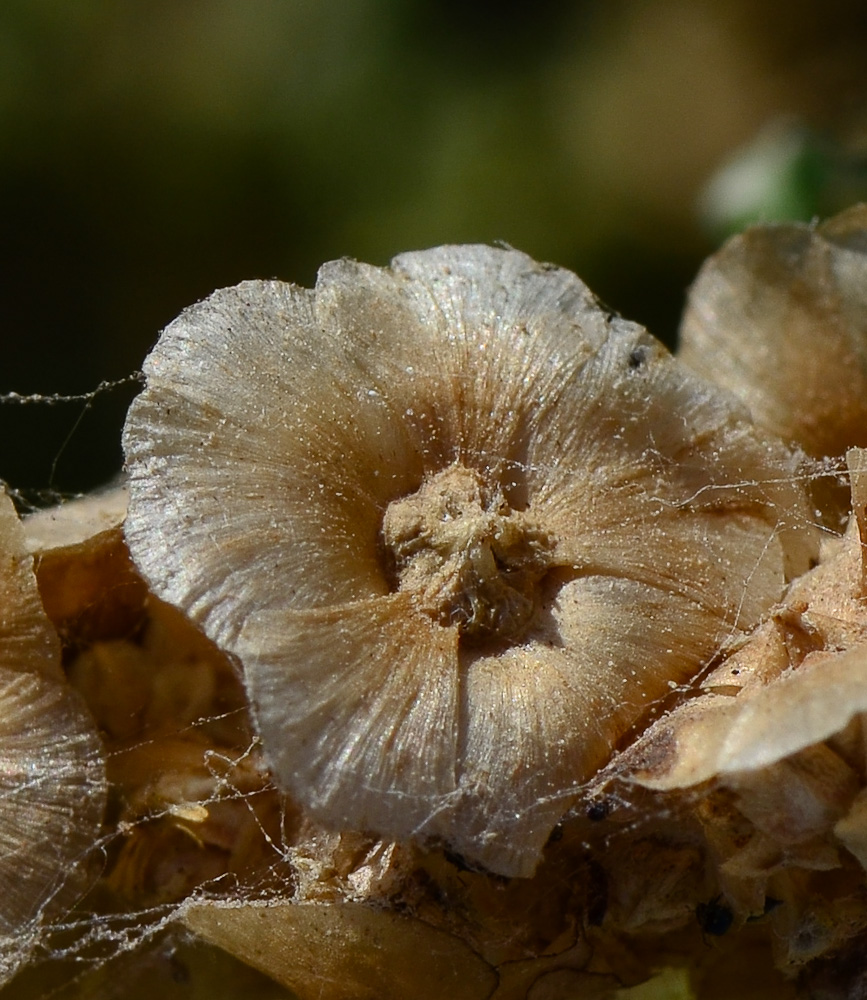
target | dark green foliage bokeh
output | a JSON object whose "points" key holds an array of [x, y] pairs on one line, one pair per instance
{"points": [[152, 150]]}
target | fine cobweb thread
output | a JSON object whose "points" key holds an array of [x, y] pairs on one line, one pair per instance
{"points": [[90, 940]]}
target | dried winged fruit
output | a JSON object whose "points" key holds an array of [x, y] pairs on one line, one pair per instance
{"points": [[779, 317], [460, 525]]}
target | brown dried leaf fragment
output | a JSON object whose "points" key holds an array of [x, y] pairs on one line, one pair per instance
{"points": [[719, 737], [460, 525], [27, 641], [779, 317], [344, 951], [88, 585]]}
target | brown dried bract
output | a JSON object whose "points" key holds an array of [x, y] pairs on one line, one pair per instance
{"points": [[770, 755], [779, 317]]}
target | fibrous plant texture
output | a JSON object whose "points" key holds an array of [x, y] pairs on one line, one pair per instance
{"points": [[527, 671], [461, 527], [779, 317], [52, 771]]}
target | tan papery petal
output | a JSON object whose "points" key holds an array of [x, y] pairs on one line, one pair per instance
{"points": [[358, 710], [273, 427]]}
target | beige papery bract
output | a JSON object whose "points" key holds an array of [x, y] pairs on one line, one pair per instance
{"points": [[52, 771], [779, 317], [460, 525]]}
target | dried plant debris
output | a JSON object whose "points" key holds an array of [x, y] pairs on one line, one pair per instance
{"points": [[489, 585], [192, 801], [460, 525], [779, 317], [770, 756], [52, 772], [189, 800], [27, 641], [369, 955], [77, 521]]}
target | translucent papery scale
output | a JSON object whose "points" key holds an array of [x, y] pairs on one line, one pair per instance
{"points": [[52, 769], [299, 537], [304, 524], [664, 453], [52, 786], [27, 641], [543, 717], [650, 501], [450, 329], [779, 317]]}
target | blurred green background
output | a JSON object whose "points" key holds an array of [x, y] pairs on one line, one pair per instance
{"points": [[152, 150]]}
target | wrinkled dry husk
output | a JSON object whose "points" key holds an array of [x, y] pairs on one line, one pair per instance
{"points": [[779, 317], [87, 583], [52, 771]]}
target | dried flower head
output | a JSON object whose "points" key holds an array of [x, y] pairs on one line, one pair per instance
{"points": [[460, 525]]}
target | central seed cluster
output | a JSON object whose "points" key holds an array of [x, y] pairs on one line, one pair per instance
{"points": [[469, 559]]}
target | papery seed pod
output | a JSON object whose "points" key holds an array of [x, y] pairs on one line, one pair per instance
{"points": [[779, 317], [52, 773], [460, 525]]}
